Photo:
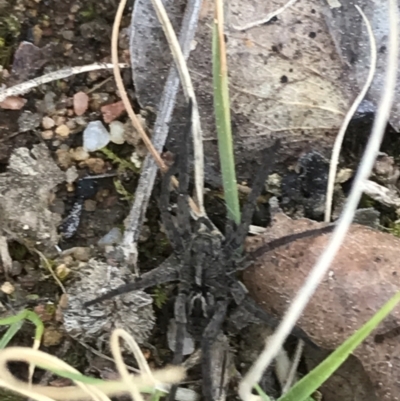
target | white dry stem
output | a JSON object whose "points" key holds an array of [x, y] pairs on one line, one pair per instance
{"points": [[25, 87], [119, 362], [339, 139], [98, 391], [319, 270], [189, 94], [265, 19], [291, 377]]}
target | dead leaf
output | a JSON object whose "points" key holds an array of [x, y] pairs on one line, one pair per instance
{"points": [[350, 35], [363, 277], [286, 79], [13, 103], [81, 103], [112, 111]]}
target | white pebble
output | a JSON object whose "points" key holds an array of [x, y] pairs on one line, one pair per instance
{"points": [[113, 237], [117, 132], [95, 136]]}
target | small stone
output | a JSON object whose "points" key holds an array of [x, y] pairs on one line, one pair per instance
{"points": [[64, 158], [79, 154], [81, 103], [95, 136], [68, 35], [117, 132], [90, 205], [7, 288], [48, 134], [59, 120], [28, 121], [113, 237], [96, 165], [62, 271], [13, 103], [71, 175], [63, 130], [82, 253], [49, 104], [51, 336], [47, 122], [112, 111]]}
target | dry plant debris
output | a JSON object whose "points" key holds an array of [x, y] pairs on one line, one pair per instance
{"points": [[363, 277], [25, 191], [301, 96], [132, 311]]}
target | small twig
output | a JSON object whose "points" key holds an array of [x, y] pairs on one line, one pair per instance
{"points": [[339, 139], [47, 264], [291, 377], [189, 93], [160, 131], [265, 19], [318, 271], [25, 87]]}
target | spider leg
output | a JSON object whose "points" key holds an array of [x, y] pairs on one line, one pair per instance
{"points": [[164, 273], [236, 238], [210, 335], [181, 322], [169, 226]]}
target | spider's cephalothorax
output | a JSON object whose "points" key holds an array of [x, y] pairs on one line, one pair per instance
{"points": [[206, 266]]}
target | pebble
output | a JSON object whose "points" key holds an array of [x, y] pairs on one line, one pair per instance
{"points": [[90, 205], [28, 121], [95, 136], [96, 165], [7, 288], [48, 122], [113, 237], [79, 154], [48, 134], [81, 103], [63, 131], [117, 132], [49, 105]]}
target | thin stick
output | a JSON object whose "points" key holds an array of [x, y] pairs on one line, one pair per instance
{"points": [[122, 91], [265, 19], [25, 87], [317, 273], [127, 104], [339, 139], [160, 130], [189, 93]]}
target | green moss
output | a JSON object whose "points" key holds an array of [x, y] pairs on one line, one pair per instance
{"points": [[160, 296]]}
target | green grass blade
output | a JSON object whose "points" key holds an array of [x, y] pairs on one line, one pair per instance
{"points": [[28, 315], [311, 382], [223, 124], [10, 333]]}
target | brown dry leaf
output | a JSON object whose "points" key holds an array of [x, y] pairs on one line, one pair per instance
{"points": [[286, 79], [363, 277], [13, 103], [112, 111], [81, 103]]}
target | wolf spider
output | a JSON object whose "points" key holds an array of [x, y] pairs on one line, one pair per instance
{"points": [[207, 265]]}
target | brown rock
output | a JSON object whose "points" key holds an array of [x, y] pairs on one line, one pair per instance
{"points": [[364, 275], [112, 111]]}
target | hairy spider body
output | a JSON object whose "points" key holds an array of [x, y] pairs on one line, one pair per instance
{"points": [[206, 268]]}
